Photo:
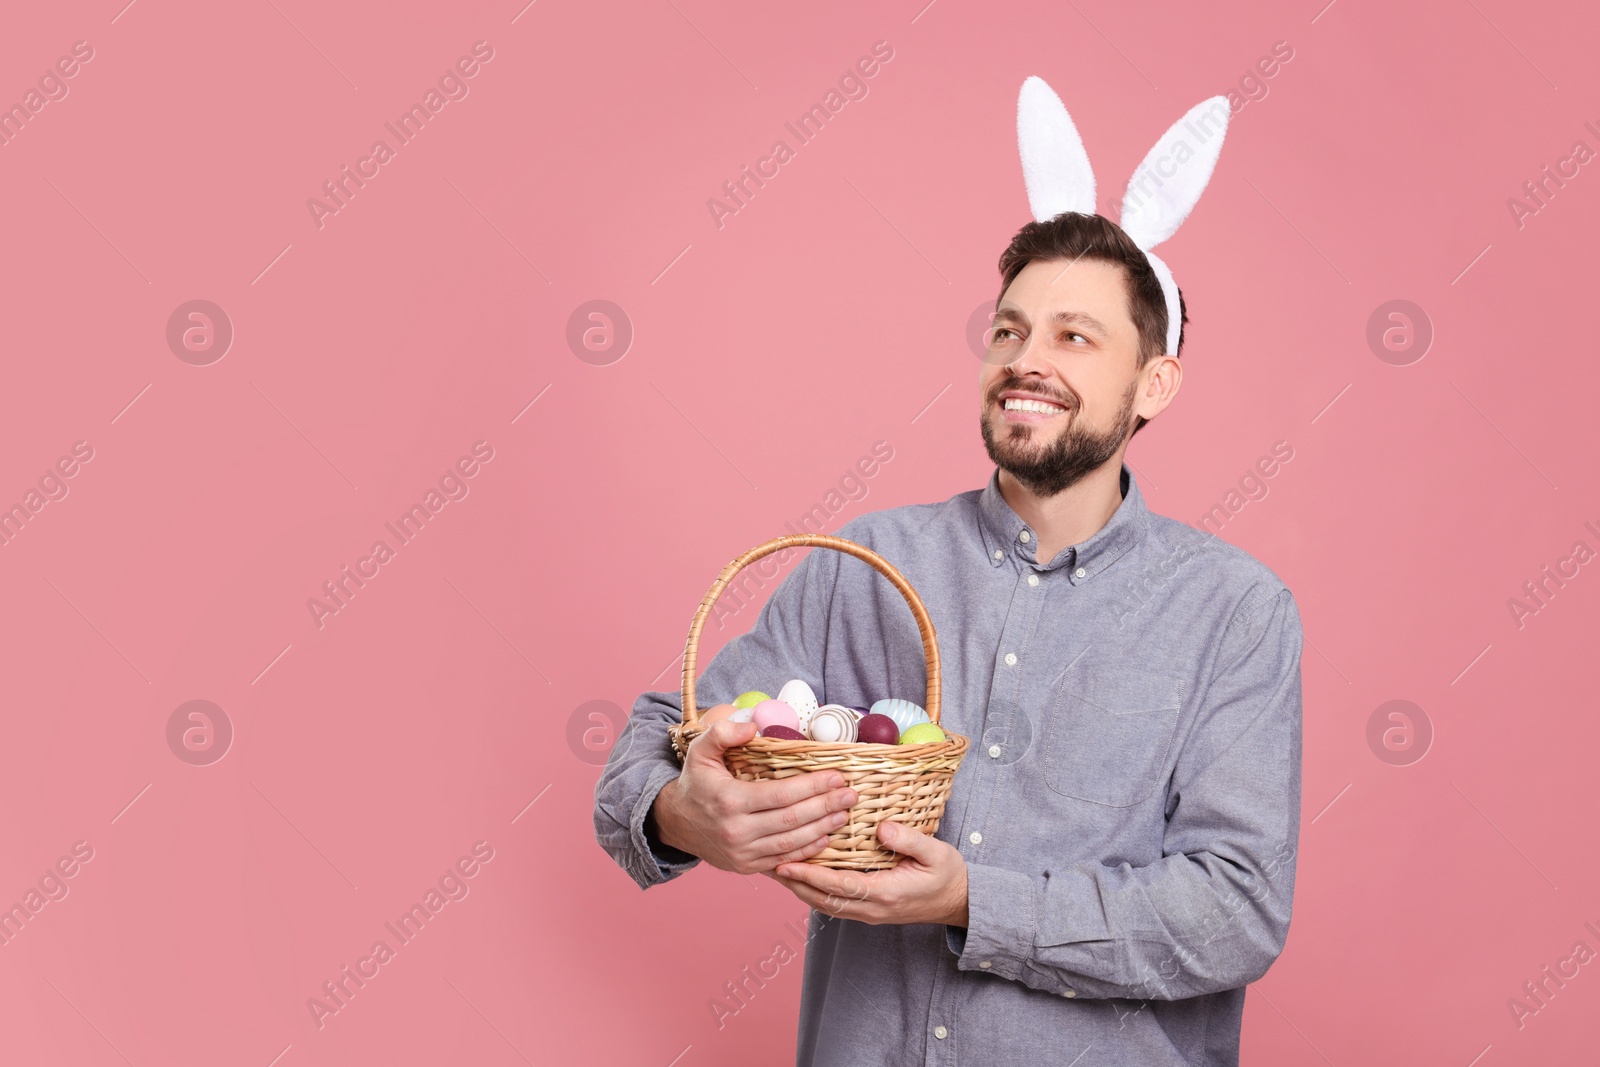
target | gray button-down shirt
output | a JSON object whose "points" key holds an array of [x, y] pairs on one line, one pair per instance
{"points": [[1128, 811]]}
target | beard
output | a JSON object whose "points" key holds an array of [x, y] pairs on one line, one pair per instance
{"points": [[1079, 449]]}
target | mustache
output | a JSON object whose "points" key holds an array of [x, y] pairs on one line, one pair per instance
{"points": [[1017, 384]]}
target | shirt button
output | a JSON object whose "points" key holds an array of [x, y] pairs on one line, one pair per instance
{"points": [[975, 837], [1079, 573], [1070, 993], [984, 964], [998, 554], [1011, 659], [940, 1032], [1033, 579], [994, 751], [1025, 537]]}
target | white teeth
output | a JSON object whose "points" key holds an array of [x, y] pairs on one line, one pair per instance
{"points": [[1014, 404]]}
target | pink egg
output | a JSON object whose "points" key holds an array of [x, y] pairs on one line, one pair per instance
{"points": [[775, 713]]}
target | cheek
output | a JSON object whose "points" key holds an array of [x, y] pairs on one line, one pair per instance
{"points": [[1105, 402]]}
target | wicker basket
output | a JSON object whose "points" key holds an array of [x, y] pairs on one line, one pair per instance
{"points": [[905, 783]]}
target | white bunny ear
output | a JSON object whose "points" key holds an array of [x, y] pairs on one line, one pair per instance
{"points": [[1165, 187], [1055, 167]]}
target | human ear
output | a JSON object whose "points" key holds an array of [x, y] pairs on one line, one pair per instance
{"points": [[1162, 379]]}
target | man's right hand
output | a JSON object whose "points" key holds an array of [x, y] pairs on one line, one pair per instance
{"points": [[746, 827]]}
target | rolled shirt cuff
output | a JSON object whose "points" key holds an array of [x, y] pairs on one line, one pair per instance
{"points": [[654, 861], [1001, 926]]}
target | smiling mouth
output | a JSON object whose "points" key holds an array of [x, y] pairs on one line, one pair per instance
{"points": [[1030, 409]]}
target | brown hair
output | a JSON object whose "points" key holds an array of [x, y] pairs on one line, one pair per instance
{"points": [[1072, 235]]}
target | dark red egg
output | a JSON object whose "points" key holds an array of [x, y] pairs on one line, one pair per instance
{"points": [[877, 730], [779, 732]]}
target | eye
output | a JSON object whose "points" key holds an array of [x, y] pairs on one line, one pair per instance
{"points": [[1001, 334], [1069, 334]]}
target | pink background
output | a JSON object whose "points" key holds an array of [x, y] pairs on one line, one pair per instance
{"points": [[769, 354]]}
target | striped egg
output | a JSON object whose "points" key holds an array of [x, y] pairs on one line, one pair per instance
{"points": [[854, 713], [833, 723], [904, 713]]}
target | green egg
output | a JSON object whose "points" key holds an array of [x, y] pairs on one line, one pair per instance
{"points": [[922, 733], [750, 699]]}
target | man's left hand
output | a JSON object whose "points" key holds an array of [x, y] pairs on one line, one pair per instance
{"points": [[928, 885]]}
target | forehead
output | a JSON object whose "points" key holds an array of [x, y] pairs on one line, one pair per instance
{"points": [[1093, 286]]}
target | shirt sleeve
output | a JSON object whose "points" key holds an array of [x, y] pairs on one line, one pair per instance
{"points": [[1213, 913], [788, 640]]}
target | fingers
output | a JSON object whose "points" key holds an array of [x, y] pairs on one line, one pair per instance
{"points": [[763, 838], [711, 746], [761, 824], [811, 848], [909, 842], [783, 792], [716, 739], [795, 816], [828, 903], [790, 840]]}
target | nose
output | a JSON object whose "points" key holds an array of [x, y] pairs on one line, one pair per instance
{"points": [[1028, 361]]}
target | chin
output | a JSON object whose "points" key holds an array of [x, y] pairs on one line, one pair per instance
{"points": [[1020, 436]]}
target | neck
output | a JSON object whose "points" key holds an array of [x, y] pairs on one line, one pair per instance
{"points": [[1073, 515]]}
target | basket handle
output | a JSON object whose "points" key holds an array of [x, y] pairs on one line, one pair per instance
{"points": [[930, 643]]}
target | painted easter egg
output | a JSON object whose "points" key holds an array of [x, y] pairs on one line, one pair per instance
{"points": [[799, 696], [780, 732], [741, 714], [922, 733], [877, 730], [717, 714], [904, 713], [774, 713], [750, 699], [833, 723]]}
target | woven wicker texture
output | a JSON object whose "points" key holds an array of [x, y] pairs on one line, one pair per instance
{"points": [[906, 783]]}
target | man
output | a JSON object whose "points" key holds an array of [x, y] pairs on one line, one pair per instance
{"points": [[1116, 859]]}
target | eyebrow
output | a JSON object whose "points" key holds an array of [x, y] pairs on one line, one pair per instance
{"points": [[1060, 318]]}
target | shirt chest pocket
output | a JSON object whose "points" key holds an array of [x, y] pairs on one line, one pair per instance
{"points": [[1110, 732]]}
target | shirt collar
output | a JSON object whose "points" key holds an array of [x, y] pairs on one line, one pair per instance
{"points": [[1005, 534]]}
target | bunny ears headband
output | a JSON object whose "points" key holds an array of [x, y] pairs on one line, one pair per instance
{"points": [[1160, 195]]}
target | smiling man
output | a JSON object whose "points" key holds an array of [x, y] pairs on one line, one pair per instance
{"points": [[1116, 859]]}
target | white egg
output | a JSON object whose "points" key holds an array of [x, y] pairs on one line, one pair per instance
{"points": [[799, 696], [741, 714]]}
